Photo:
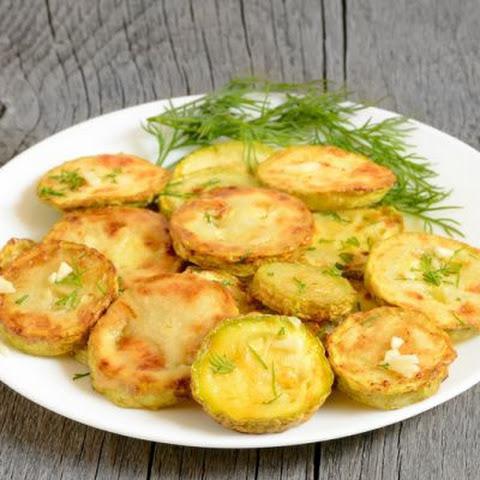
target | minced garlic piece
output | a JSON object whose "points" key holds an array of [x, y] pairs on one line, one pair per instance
{"points": [[92, 178], [406, 365], [64, 270], [6, 286]]}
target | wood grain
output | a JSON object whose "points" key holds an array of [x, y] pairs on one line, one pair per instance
{"points": [[63, 61]]}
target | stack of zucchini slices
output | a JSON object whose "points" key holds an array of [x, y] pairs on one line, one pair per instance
{"points": [[247, 278]]}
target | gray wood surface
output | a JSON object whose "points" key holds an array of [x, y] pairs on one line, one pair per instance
{"points": [[63, 61]]}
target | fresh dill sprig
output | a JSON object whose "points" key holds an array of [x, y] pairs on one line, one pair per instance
{"points": [[220, 364], [50, 192], [78, 376], [68, 302], [71, 178], [307, 114]]}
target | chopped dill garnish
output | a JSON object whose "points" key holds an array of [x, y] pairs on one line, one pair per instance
{"points": [[101, 287], [68, 302], [436, 272], [257, 357], [211, 218], [335, 216], [112, 177], [70, 178], [21, 300], [307, 113], [324, 240], [282, 332], [50, 192], [302, 286], [333, 271], [310, 249], [274, 387], [346, 257], [226, 283], [386, 366], [459, 319], [221, 364], [78, 376], [350, 242]]}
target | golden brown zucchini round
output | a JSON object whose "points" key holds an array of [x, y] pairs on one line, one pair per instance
{"points": [[237, 229], [132, 238], [140, 351], [261, 373], [102, 180], [438, 276], [60, 289], [344, 238], [326, 177], [389, 357], [303, 291], [13, 249]]}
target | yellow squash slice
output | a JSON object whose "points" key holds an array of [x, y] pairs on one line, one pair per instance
{"points": [[303, 291], [183, 189], [231, 155], [102, 180], [141, 350], [326, 177], [438, 276], [237, 229], [389, 357], [58, 290], [132, 238], [343, 239], [261, 373]]}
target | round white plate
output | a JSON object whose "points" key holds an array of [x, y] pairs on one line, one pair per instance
{"points": [[48, 382]]}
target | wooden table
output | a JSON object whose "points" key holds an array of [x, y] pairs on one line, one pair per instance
{"points": [[63, 61]]}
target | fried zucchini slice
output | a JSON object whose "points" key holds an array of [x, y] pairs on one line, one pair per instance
{"points": [[261, 373], [245, 302], [344, 239], [13, 249], [141, 350], [438, 276], [389, 357], [229, 156], [303, 291], [60, 291], [102, 180], [132, 238], [183, 189], [237, 229], [326, 177]]}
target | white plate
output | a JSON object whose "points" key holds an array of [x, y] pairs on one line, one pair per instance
{"points": [[48, 382]]}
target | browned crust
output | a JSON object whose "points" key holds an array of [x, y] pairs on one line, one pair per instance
{"points": [[44, 332], [295, 232]]}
